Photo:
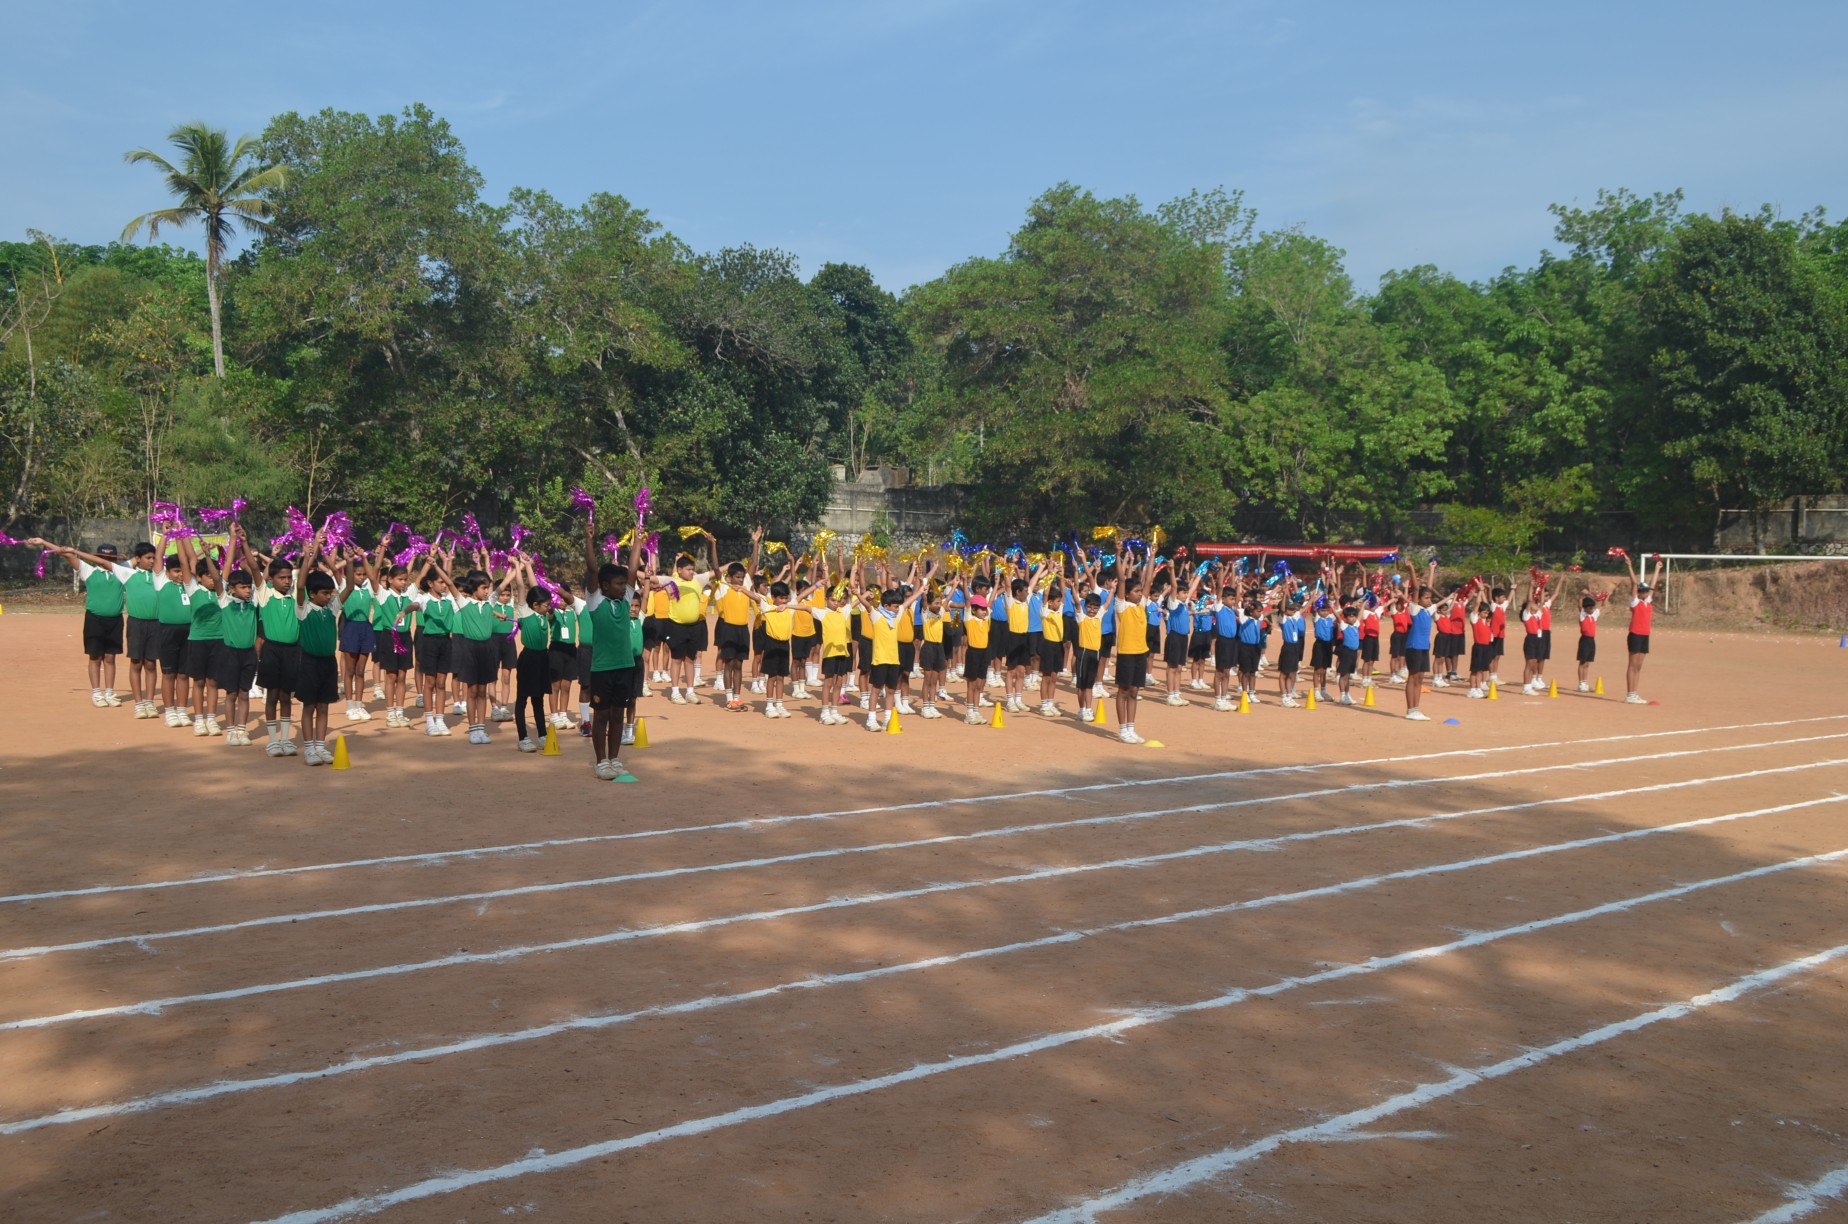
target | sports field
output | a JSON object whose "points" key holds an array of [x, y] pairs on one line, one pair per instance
{"points": [[1566, 959]]}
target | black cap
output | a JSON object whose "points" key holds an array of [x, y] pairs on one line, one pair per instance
{"points": [[107, 550]]}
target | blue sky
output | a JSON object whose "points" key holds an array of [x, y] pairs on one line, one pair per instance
{"points": [[907, 136]]}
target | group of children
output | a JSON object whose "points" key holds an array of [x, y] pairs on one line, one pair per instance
{"points": [[209, 631]]}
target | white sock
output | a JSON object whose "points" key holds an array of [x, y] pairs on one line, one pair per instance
{"points": [[583, 711], [96, 692]]}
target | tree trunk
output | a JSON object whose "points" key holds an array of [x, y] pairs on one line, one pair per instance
{"points": [[211, 296]]}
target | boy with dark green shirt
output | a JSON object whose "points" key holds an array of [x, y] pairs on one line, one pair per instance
{"points": [[614, 673], [318, 682]]}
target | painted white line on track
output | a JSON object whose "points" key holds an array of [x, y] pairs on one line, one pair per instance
{"points": [[607, 1020], [1180, 1177], [1192, 1173], [145, 938], [439, 856], [1807, 1200]]}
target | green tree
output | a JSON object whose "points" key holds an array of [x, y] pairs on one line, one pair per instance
{"points": [[219, 185]]}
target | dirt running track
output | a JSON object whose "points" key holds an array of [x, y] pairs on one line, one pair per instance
{"points": [[1565, 960]]}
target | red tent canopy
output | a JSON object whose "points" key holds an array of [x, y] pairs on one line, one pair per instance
{"points": [[1317, 552]]}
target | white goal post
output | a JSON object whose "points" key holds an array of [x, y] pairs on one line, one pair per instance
{"points": [[1668, 564]]}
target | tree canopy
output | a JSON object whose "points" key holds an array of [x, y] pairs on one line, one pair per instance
{"points": [[396, 345]]}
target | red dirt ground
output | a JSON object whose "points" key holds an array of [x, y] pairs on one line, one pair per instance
{"points": [[1710, 1116]]}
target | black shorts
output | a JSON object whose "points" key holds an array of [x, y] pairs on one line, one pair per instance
{"points": [[477, 660], [613, 690], [1481, 657], [561, 662], [1346, 657], [1417, 661], [863, 655], [886, 675], [1106, 645], [1533, 649], [685, 639], [1587, 649], [1000, 639], [391, 649], [760, 638], [931, 657], [1546, 644], [583, 666], [776, 658], [975, 663], [509, 653], [836, 665], [907, 656], [1370, 649], [532, 675], [279, 667], [143, 639], [1225, 653], [1448, 645], [102, 635], [1290, 658], [201, 657], [733, 641], [1154, 636], [952, 636], [1085, 664], [1174, 651], [1638, 643], [1132, 670], [317, 680], [800, 648], [1501, 645], [1396, 644], [1323, 653], [1248, 655], [654, 631], [1051, 657], [234, 668], [435, 654], [1200, 645], [173, 649]]}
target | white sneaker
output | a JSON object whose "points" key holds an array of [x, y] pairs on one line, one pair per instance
{"points": [[420, 701], [289, 748], [904, 705], [1087, 714], [1347, 699], [974, 719], [799, 691], [866, 701], [1287, 702], [430, 727], [110, 698], [1175, 699], [378, 692], [527, 745], [500, 713], [1584, 688], [442, 726], [872, 723], [607, 770], [1495, 678], [273, 748], [1476, 694], [96, 699], [1104, 692], [258, 693], [1418, 716], [1440, 682], [1049, 709], [1636, 699], [200, 731], [757, 686], [985, 703], [676, 696], [459, 709], [1129, 737], [1254, 699], [930, 711]]}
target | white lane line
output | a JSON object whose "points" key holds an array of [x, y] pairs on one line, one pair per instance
{"points": [[438, 856], [152, 1007], [606, 1020], [1807, 1199], [145, 938], [1183, 1175], [1192, 1173]]}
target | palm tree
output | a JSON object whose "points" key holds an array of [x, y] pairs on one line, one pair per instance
{"points": [[216, 183]]}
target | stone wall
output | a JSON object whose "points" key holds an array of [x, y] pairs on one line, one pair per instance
{"points": [[1813, 524]]}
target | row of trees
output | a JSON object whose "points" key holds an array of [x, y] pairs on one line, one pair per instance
{"points": [[395, 345]]}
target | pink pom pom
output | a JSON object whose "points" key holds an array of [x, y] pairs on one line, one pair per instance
{"points": [[581, 500]]}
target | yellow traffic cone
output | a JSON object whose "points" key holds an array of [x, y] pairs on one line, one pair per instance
{"points": [[340, 753], [551, 742], [1552, 688], [1598, 688], [1244, 702], [1367, 701], [641, 733], [1310, 704], [1099, 718], [1494, 691], [892, 722], [996, 721]]}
